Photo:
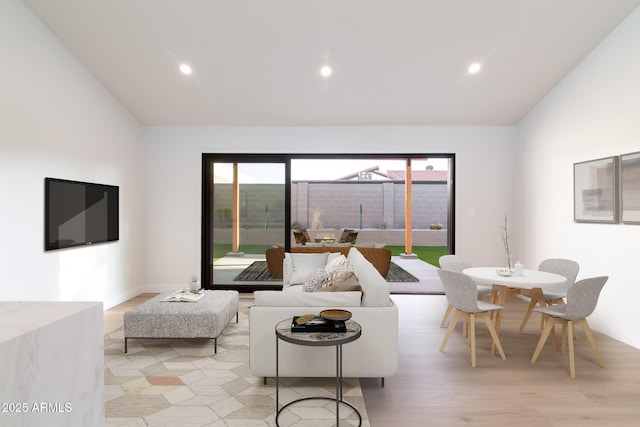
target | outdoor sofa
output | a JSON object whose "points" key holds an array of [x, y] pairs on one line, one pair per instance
{"points": [[379, 257]]}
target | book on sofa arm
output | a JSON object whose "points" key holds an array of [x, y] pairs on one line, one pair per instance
{"points": [[318, 324], [183, 295]]}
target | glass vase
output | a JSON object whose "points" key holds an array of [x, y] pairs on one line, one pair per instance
{"points": [[509, 262]]}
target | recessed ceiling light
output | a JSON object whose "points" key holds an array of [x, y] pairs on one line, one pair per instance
{"points": [[326, 71], [474, 68], [185, 69]]}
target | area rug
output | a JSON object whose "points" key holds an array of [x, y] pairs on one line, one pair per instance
{"points": [[258, 272], [162, 382], [399, 274]]}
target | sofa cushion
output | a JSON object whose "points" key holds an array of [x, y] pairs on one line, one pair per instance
{"points": [[375, 288], [298, 266], [294, 296]]}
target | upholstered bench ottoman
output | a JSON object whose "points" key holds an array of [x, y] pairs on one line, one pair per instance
{"points": [[205, 318]]}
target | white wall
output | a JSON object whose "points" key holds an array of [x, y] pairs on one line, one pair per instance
{"points": [[173, 174], [594, 112], [57, 120]]}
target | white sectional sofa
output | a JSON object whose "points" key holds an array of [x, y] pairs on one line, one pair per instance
{"points": [[374, 354]]}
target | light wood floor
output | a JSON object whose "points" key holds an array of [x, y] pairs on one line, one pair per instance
{"points": [[441, 389]]}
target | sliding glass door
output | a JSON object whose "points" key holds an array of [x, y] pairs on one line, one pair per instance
{"points": [[246, 214], [251, 203]]}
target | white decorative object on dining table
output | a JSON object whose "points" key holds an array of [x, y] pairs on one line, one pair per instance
{"points": [[518, 269]]}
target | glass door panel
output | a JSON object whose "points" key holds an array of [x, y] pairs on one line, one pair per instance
{"points": [[368, 196], [248, 217]]}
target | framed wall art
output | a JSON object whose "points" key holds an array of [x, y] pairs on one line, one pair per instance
{"points": [[595, 190], [630, 188]]}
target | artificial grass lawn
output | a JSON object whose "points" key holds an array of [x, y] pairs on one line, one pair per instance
{"points": [[430, 254]]}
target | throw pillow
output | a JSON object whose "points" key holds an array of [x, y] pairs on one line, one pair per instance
{"points": [[340, 281], [338, 263], [303, 264], [315, 280]]}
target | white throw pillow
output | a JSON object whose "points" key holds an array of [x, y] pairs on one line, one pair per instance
{"points": [[340, 281], [287, 267], [338, 263], [375, 289], [300, 265], [315, 280]]}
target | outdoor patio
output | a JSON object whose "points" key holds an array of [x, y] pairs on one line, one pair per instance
{"points": [[227, 268]]}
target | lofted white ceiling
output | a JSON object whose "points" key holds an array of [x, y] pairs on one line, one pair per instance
{"points": [[395, 62]]}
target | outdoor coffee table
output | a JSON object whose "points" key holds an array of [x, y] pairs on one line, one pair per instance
{"points": [[205, 318], [318, 339]]}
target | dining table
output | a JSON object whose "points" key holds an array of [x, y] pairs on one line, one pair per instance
{"points": [[530, 283]]}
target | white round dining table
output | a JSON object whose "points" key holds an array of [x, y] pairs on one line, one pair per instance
{"points": [[530, 284], [529, 280]]}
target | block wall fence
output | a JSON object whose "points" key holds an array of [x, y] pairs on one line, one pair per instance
{"points": [[357, 205]]}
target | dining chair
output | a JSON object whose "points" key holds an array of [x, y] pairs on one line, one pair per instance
{"points": [[458, 263], [582, 299], [462, 293], [564, 267]]}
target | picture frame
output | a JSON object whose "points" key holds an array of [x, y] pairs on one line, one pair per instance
{"points": [[595, 191], [630, 188]]}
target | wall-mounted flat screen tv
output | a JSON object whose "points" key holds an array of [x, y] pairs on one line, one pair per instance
{"points": [[79, 213]]}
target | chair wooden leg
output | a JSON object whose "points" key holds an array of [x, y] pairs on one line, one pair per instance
{"points": [[592, 341], [563, 348], [446, 316], [572, 362], [494, 297], [465, 326], [494, 334], [554, 341], [543, 338], [452, 325], [472, 337], [532, 305]]}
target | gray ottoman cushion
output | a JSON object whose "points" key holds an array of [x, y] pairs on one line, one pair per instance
{"points": [[205, 318]]}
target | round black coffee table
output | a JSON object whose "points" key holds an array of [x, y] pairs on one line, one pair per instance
{"points": [[318, 339]]}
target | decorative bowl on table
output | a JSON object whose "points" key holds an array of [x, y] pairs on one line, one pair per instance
{"points": [[335, 314], [504, 272]]}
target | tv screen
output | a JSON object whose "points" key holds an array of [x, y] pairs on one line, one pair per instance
{"points": [[79, 213]]}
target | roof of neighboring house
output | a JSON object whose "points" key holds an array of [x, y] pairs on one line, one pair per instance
{"points": [[419, 175], [399, 175], [374, 169]]}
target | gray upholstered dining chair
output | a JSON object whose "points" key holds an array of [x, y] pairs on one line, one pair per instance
{"points": [[564, 267], [462, 293], [458, 263], [582, 299]]}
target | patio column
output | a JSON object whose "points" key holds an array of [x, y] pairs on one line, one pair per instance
{"points": [[235, 212], [408, 243]]}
